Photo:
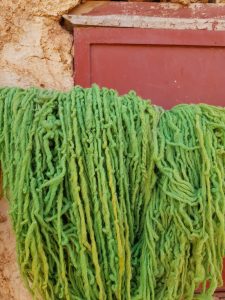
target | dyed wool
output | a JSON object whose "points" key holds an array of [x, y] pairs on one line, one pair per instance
{"points": [[111, 197]]}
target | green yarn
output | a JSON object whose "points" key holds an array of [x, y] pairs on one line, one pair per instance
{"points": [[112, 197]]}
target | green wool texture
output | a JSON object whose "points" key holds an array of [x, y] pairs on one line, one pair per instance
{"points": [[111, 197]]}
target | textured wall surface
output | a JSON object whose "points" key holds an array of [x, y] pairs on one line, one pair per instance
{"points": [[34, 51]]}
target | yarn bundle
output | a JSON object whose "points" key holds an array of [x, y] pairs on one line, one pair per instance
{"points": [[112, 197]]}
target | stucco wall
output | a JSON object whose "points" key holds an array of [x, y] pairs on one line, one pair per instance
{"points": [[34, 51]]}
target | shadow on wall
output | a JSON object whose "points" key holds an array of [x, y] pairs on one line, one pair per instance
{"points": [[11, 286]]}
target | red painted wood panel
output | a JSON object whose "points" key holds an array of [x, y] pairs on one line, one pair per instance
{"points": [[167, 66]]}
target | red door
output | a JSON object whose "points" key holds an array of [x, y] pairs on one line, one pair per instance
{"points": [[166, 66]]}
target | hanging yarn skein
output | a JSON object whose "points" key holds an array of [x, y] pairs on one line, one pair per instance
{"points": [[111, 197]]}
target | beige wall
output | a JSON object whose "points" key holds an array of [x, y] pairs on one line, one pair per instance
{"points": [[34, 51]]}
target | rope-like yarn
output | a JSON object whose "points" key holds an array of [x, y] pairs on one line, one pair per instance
{"points": [[111, 197]]}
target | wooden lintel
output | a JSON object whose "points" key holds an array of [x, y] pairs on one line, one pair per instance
{"points": [[129, 21], [147, 15]]}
